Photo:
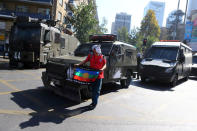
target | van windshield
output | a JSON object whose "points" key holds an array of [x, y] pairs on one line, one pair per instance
{"points": [[84, 49], [166, 53], [195, 59]]}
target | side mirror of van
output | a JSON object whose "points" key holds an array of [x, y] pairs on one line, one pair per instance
{"points": [[47, 37]]}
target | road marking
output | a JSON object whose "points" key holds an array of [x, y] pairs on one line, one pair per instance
{"points": [[15, 112], [27, 96], [37, 78], [9, 92], [28, 73], [9, 85]]}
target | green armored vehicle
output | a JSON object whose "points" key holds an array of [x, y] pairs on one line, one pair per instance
{"points": [[33, 42], [121, 63]]}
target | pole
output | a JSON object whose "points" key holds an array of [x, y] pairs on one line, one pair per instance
{"points": [[175, 30], [178, 5], [186, 11]]}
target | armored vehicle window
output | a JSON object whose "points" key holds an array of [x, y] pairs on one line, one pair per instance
{"points": [[57, 38], [84, 49], [129, 52], [168, 53], [48, 36], [195, 59], [116, 50], [62, 42], [27, 34]]}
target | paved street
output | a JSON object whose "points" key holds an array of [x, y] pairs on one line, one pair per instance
{"points": [[26, 105]]}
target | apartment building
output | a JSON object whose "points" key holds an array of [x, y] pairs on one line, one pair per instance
{"points": [[158, 8], [37, 9], [121, 20]]}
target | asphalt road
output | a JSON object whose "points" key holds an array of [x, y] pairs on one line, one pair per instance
{"points": [[26, 105]]}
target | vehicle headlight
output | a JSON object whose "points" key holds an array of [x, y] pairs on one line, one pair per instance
{"points": [[169, 70]]}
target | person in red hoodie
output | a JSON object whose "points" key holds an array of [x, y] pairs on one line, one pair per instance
{"points": [[98, 62]]}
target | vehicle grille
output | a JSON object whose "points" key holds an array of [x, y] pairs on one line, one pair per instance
{"points": [[56, 69], [153, 70]]}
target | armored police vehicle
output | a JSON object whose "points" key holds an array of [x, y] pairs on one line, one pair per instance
{"points": [[166, 61], [121, 63], [33, 42]]}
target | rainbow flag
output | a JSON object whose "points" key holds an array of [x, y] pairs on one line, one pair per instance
{"points": [[85, 75]]}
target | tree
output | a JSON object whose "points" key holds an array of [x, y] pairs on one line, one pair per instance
{"points": [[102, 27], [133, 36], [84, 21], [123, 35], [149, 25], [174, 19], [149, 29]]}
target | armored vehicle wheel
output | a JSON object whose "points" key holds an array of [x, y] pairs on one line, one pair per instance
{"points": [[187, 77], [126, 82], [143, 79], [13, 64], [174, 82], [45, 80], [36, 65]]}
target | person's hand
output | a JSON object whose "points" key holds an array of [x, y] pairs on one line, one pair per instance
{"points": [[76, 65], [100, 69]]}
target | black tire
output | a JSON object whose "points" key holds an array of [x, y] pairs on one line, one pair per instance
{"points": [[186, 77], [13, 64], [37, 65], [126, 82], [143, 79], [45, 79], [174, 82]]}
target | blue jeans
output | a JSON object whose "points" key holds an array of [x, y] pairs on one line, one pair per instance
{"points": [[96, 88]]}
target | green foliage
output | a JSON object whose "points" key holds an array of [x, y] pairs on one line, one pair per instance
{"points": [[102, 28], [84, 21], [134, 36], [123, 35], [149, 29], [149, 25]]}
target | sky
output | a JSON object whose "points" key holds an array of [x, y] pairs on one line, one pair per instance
{"points": [[108, 8]]}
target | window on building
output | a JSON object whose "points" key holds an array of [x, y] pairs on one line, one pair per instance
{"points": [[21, 8], [57, 38], [43, 11], [65, 6], [59, 16], [62, 42], [61, 2]]}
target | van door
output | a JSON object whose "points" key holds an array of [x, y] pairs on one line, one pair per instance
{"points": [[181, 63], [115, 60]]}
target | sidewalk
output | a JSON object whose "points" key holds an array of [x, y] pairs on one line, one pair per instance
{"points": [[4, 60]]}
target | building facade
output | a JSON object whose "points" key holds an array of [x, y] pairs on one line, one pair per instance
{"points": [[158, 8], [191, 25], [121, 20], [10, 9], [37, 9]]}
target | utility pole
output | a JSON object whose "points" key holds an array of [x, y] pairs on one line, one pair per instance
{"points": [[176, 21], [186, 11]]}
